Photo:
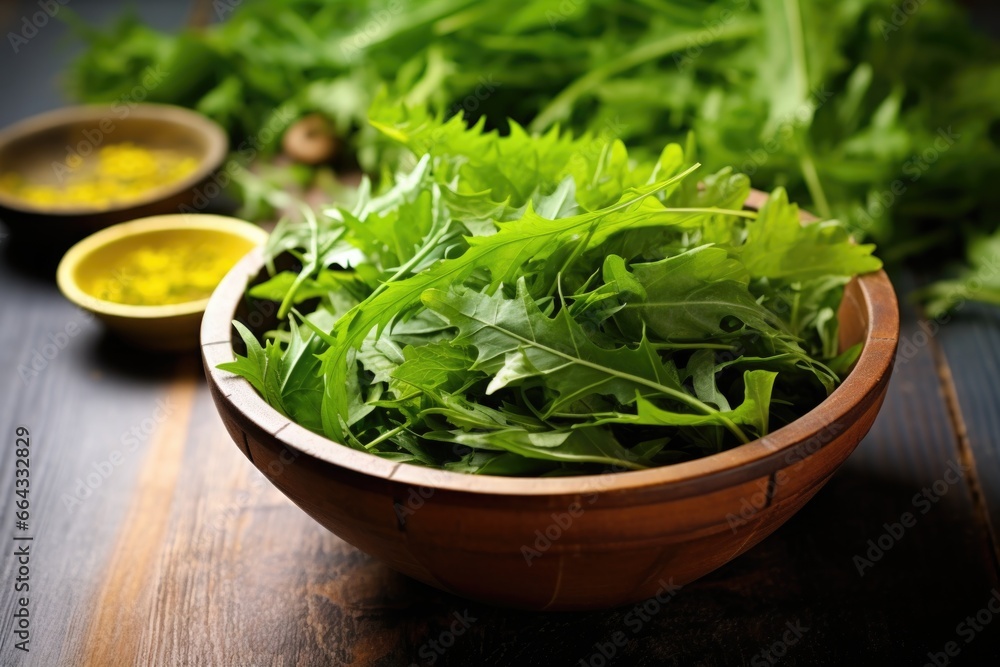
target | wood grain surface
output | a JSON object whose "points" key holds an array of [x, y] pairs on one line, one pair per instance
{"points": [[183, 554]]}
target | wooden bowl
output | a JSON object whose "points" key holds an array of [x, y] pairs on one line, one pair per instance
{"points": [[168, 327], [30, 147], [583, 542]]}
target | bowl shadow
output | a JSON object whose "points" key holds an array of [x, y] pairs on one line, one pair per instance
{"points": [[895, 608]]}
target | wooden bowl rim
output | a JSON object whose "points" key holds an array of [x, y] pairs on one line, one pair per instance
{"points": [[215, 137], [738, 465]]}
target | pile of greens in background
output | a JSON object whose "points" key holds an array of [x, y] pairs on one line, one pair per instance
{"points": [[879, 113], [544, 305]]}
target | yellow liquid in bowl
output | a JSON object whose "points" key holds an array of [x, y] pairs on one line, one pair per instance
{"points": [[161, 268], [116, 174]]}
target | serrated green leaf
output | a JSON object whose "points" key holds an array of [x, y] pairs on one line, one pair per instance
{"points": [[689, 295], [752, 412], [555, 350], [780, 246]]}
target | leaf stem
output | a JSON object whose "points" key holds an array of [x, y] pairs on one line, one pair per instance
{"points": [[813, 183], [739, 213], [307, 268], [577, 251], [800, 66], [794, 13], [676, 394], [559, 107], [430, 244], [385, 436], [582, 246], [691, 346]]}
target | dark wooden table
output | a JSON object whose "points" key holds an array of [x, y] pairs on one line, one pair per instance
{"points": [[155, 542]]}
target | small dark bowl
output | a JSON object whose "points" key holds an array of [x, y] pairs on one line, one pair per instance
{"points": [[31, 146]]}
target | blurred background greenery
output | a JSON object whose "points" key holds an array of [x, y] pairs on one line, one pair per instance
{"points": [[882, 113]]}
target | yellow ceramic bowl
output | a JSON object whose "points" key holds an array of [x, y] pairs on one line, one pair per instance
{"points": [[102, 255]]}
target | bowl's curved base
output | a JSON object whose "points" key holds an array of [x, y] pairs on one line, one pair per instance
{"points": [[555, 553]]}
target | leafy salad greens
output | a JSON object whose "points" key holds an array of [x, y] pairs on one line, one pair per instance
{"points": [[545, 305], [880, 113]]}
